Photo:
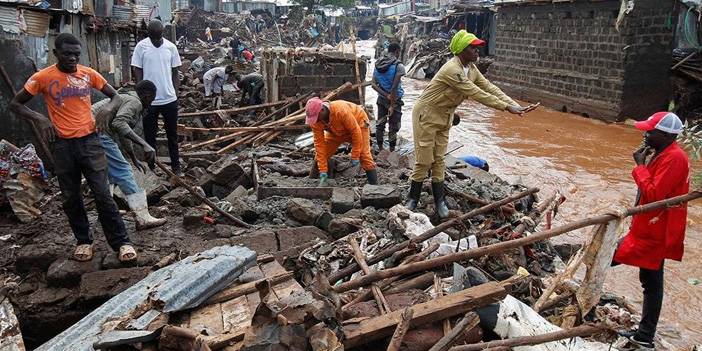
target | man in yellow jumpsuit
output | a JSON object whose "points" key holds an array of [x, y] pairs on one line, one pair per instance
{"points": [[338, 122], [433, 114]]}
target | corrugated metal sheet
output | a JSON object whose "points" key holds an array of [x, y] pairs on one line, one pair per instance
{"points": [[37, 22], [73, 6], [142, 12], [8, 19], [123, 13], [182, 4], [182, 285], [9, 328]]}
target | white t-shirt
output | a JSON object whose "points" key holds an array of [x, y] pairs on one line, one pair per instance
{"points": [[157, 62]]}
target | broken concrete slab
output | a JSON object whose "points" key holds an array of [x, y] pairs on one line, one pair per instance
{"points": [[263, 241], [194, 216], [196, 173], [39, 255], [225, 231], [182, 196], [225, 170], [343, 200], [341, 227], [177, 287], [155, 195], [220, 191], [199, 162], [237, 193], [380, 196], [106, 284], [303, 210], [292, 237], [67, 273]]}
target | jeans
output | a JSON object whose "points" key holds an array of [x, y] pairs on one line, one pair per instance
{"points": [[393, 121], [85, 157], [170, 118], [652, 283], [119, 171]]}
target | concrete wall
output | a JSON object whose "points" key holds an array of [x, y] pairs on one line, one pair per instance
{"points": [[571, 57], [287, 76]]}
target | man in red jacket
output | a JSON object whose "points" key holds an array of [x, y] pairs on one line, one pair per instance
{"points": [[657, 235]]}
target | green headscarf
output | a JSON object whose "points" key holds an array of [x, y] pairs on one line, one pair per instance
{"points": [[460, 41]]}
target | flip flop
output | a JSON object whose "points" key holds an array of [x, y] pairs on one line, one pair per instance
{"points": [[83, 253], [127, 253]]}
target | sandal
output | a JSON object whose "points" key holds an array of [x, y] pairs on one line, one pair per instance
{"points": [[127, 253], [83, 253]]}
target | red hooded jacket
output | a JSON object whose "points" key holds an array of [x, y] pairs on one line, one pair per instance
{"points": [[657, 235]]}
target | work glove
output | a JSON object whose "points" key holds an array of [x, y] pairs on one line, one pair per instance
{"points": [[323, 179], [355, 163]]}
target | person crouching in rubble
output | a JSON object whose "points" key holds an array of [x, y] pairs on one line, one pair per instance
{"points": [[338, 122], [250, 86], [386, 78], [117, 129], [433, 114], [75, 145], [215, 78], [657, 235]]}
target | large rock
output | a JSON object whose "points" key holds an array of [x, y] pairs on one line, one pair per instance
{"points": [[243, 209], [194, 216], [220, 191], [103, 285], [343, 226], [380, 196], [238, 193], [264, 241], [40, 256], [303, 211], [343, 200], [183, 197], [67, 273], [225, 170], [292, 237], [155, 195]]}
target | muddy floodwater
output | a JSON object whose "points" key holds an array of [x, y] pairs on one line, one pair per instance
{"points": [[589, 162]]}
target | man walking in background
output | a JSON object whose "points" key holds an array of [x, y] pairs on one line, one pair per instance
{"points": [[386, 81], [156, 59]]}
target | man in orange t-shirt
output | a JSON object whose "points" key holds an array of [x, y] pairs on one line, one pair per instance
{"points": [[75, 146]]}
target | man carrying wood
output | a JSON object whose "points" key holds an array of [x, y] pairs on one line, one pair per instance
{"points": [[433, 114], [386, 81], [117, 130], [339, 122], [75, 146], [251, 86], [657, 235]]}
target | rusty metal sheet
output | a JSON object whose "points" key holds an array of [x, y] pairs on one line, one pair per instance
{"points": [[323, 193], [182, 285], [37, 22], [8, 20]]}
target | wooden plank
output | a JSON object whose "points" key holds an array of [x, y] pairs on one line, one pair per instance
{"points": [[236, 315], [236, 291], [285, 288], [208, 318], [429, 312]]}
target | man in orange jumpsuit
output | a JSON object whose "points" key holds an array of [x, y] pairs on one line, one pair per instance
{"points": [[338, 122]]}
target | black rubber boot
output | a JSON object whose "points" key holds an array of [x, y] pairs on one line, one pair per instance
{"points": [[413, 197], [372, 176], [439, 200]]}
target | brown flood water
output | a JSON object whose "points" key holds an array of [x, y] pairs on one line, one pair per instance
{"points": [[590, 163]]}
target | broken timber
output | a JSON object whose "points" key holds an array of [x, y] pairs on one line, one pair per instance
{"points": [[582, 331], [233, 110], [246, 288], [428, 312], [507, 245], [401, 330], [352, 268], [469, 321], [323, 193]]}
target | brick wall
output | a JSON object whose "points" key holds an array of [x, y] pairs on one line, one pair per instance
{"points": [[571, 57], [299, 74]]}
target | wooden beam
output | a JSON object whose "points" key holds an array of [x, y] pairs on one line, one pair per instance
{"points": [[511, 244], [429, 312], [582, 331], [401, 330], [233, 110], [233, 292], [469, 321], [182, 127], [383, 306]]}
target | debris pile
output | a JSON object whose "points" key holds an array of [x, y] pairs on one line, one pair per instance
{"points": [[22, 180]]}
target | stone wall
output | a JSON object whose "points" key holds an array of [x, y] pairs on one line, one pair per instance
{"points": [[289, 73], [571, 57]]}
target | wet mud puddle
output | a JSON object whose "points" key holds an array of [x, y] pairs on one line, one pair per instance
{"points": [[589, 162]]}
